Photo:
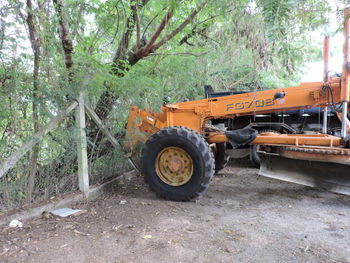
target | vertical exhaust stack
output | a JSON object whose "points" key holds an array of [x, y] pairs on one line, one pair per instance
{"points": [[325, 59], [346, 73], [325, 80]]}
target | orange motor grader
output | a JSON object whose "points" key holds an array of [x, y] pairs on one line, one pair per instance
{"points": [[181, 149]]}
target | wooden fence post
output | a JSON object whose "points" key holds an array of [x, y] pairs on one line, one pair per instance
{"points": [[83, 168]]}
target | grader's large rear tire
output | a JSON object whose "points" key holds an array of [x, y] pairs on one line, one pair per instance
{"points": [[177, 163]]}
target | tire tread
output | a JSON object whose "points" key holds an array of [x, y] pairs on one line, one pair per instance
{"points": [[199, 142]]}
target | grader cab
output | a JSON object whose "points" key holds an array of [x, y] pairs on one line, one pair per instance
{"points": [[183, 149]]}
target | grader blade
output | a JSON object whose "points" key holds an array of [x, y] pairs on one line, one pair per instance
{"points": [[321, 168]]}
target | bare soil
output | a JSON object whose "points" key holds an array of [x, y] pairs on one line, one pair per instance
{"points": [[241, 218]]}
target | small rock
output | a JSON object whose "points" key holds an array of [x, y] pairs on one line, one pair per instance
{"points": [[16, 223], [46, 215], [306, 249], [228, 231], [81, 233], [227, 250], [123, 202], [116, 228]]}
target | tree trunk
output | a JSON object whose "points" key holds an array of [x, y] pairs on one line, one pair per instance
{"points": [[35, 43], [67, 43]]}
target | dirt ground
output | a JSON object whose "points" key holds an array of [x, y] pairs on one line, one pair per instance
{"points": [[241, 218]]}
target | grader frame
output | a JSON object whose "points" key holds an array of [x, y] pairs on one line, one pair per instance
{"points": [[194, 115]]}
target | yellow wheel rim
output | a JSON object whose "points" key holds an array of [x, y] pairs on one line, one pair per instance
{"points": [[174, 166]]}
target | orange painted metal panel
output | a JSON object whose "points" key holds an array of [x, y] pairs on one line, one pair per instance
{"points": [[284, 139], [307, 95]]}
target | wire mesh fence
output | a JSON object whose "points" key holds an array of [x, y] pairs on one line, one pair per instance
{"points": [[55, 170], [54, 173]]}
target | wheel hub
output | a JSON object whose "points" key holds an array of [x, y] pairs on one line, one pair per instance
{"points": [[174, 166]]}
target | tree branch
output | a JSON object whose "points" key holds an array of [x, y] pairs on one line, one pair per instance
{"points": [[180, 54], [124, 41], [149, 23], [134, 7], [129, 28], [66, 40], [156, 34], [180, 27], [194, 30], [190, 35]]}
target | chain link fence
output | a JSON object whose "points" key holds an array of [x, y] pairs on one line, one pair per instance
{"points": [[57, 166]]}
